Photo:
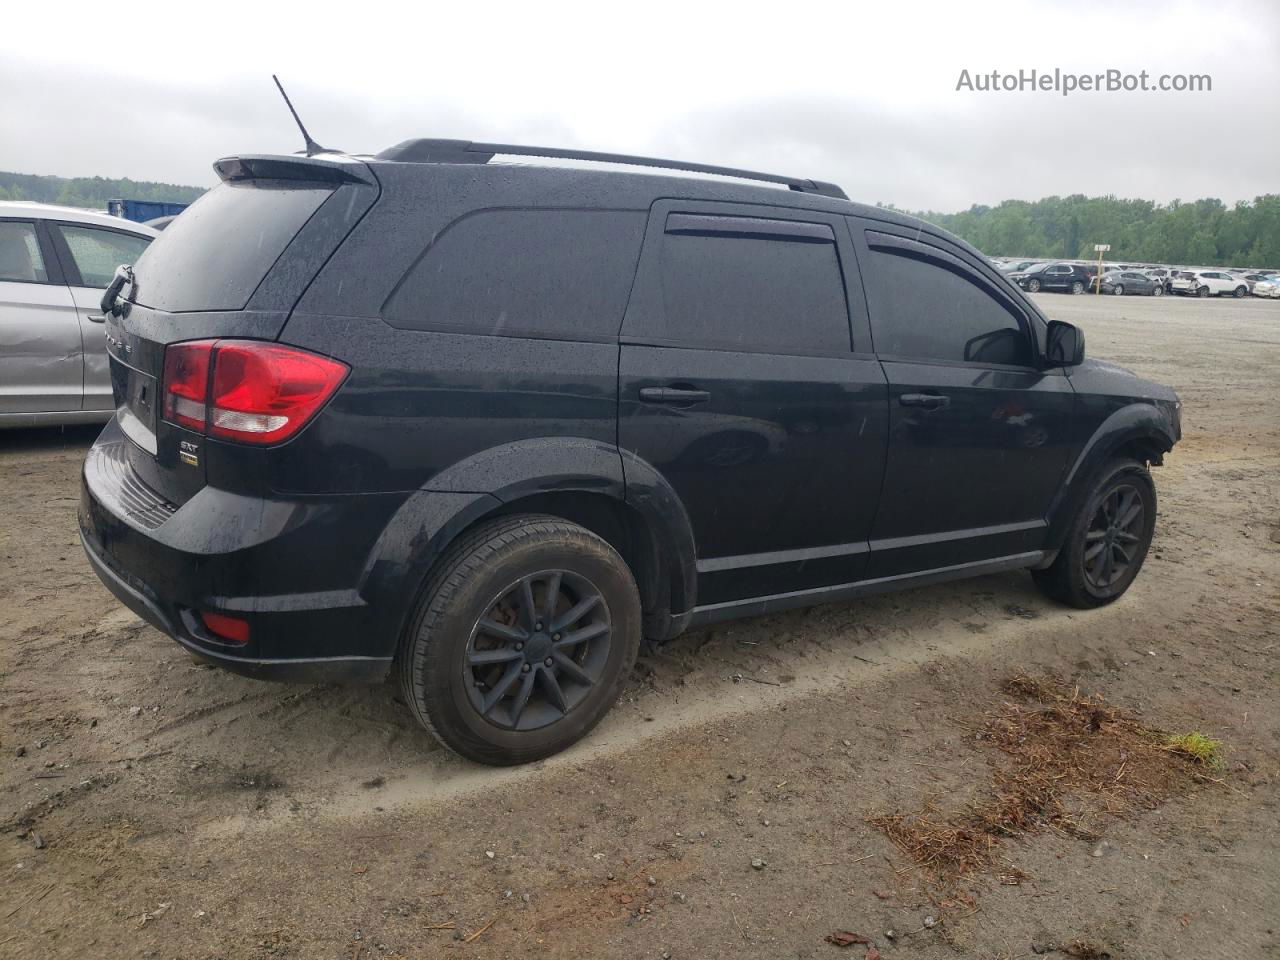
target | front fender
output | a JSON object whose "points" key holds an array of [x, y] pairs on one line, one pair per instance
{"points": [[1136, 421]]}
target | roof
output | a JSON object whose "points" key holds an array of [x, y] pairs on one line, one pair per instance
{"points": [[52, 211]]}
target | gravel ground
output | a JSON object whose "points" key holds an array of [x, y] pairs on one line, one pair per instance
{"points": [[152, 807]]}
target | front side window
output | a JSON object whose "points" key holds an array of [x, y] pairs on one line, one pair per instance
{"points": [[97, 253], [20, 258], [932, 310], [754, 291]]}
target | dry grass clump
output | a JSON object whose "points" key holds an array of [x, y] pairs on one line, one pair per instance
{"points": [[1069, 758]]}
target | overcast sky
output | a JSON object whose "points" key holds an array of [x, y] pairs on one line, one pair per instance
{"points": [[860, 94]]}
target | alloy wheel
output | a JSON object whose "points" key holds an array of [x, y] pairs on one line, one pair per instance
{"points": [[1114, 538], [538, 649]]}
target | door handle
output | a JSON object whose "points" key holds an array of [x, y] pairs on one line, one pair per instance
{"points": [[930, 401], [675, 396], [96, 318]]}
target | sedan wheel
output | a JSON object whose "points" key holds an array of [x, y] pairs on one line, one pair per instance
{"points": [[1119, 290], [1157, 291]]}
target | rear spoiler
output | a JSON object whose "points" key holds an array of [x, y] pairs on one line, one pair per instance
{"points": [[312, 169]]}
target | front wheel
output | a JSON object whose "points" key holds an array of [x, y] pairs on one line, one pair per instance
{"points": [[1157, 291], [1077, 288], [1202, 291], [1107, 541], [522, 639]]}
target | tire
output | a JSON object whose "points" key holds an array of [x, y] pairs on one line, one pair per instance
{"points": [[1080, 580], [1202, 291], [1119, 290], [1077, 288], [1157, 291], [450, 666], [1241, 291], [1033, 286]]}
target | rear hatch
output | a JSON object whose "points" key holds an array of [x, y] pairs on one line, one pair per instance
{"points": [[231, 266]]}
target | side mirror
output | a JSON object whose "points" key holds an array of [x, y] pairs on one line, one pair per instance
{"points": [[1064, 345]]}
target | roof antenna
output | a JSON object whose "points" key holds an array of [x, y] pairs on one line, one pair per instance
{"points": [[312, 148]]}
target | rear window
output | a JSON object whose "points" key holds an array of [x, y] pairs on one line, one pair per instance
{"points": [[216, 253], [563, 274]]}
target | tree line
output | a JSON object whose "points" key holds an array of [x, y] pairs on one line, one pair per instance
{"points": [[91, 193], [1197, 233]]}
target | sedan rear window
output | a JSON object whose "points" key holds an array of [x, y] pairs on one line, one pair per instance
{"points": [[215, 254]]}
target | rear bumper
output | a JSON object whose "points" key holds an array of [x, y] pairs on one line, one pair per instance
{"points": [[292, 569], [351, 669]]}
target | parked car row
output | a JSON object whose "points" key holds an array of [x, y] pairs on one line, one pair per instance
{"points": [[1119, 279]]}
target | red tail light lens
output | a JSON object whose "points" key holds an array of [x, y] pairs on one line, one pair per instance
{"points": [[253, 392], [227, 629], [186, 382]]}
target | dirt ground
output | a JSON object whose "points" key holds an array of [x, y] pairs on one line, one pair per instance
{"points": [[152, 807]]}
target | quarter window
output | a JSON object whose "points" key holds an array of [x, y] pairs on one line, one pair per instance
{"points": [[20, 258], [755, 291], [97, 253], [930, 310]]}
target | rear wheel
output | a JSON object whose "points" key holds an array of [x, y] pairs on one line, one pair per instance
{"points": [[1108, 539], [1241, 291], [1119, 290], [1033, 286], [1077, 287], [522, 640]]}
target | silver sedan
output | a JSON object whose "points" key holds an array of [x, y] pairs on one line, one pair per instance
{"points": [[54, 264]]}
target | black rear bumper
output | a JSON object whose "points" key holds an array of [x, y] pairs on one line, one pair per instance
{"points": [[245, 558]]}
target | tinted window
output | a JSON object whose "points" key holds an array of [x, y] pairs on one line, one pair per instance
{"points": [[550, 273], [20, 253], [97, 253], [754, 293], [214, 256], [931, 311]]}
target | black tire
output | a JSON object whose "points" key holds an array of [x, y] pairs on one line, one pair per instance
{"points": [[1202, 291], [1076, 575], [1241, 291], [1157, 290], [1033, 286], [1077, 288], [447, 656], [1119, 290]]}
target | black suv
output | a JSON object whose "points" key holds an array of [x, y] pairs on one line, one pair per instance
{"points": [[485, 425], [1063, 277]]}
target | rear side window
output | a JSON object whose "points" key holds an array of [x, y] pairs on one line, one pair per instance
{"points": [[20, 258], [561, 274], [214, 256], [928, 309], [754, 292], [97, 253]]}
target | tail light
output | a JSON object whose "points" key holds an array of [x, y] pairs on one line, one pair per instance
{"points": [[246, 390]]}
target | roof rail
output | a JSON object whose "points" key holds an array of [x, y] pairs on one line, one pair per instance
{"points": [[429, 150]]}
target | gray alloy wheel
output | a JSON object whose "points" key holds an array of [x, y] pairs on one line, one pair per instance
{"points": [[1077, 288], [1202, 291], [1119, 290], [1241, 291], [1157, 290], [1033, 286]]}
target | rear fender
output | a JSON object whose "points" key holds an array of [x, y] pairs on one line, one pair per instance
{"points": [[432, 518]]}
